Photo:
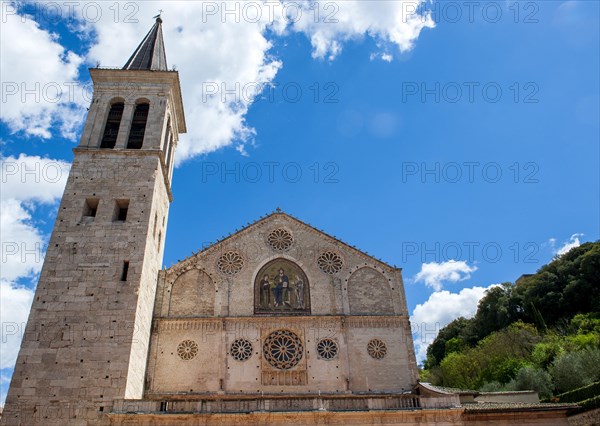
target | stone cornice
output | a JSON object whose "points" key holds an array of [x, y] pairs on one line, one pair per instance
{"points": [[224, 323]]}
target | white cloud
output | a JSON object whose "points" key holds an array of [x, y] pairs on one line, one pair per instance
{"points": [[22, 243], [32, 178], [439, 310], [37, 79], [26, 180], [14, 310], [26, 183], [434, 274], [572, 242], [214, 57], [388, 22], [222, 46]]}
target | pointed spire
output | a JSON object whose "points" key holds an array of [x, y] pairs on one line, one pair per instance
{"points": [[150, 54]]}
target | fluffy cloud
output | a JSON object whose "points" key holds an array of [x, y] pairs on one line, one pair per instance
{"points": [[434, 274], [217, 54], [26, 180], [32, 178], [439, 310], [222, 48], [14, 310], [26, 183], [22, 243], [394, 23], [219, 46], [567, 245], [38, 78]]}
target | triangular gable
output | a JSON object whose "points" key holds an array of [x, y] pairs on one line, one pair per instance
{"points": [[221, 244]]}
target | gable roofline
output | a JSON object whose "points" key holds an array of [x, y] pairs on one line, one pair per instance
{"points": [[279, 212]]}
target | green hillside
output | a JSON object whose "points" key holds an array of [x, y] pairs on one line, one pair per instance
{"points": [[541, 333]]}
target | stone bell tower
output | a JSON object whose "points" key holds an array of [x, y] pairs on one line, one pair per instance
{"points": [[87, 337]]}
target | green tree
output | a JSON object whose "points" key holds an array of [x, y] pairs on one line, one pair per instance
{"points": [[456, 344], [571, 370], [567, 286], [499, 308], [532, 378], [461, 370], [546, 351], [437, 349], [550, 320]]}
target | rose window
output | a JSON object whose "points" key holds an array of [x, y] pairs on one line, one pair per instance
{"points": [[230, 263], [330, 262], [188, 349], [280, 239], [283, 349], [377, 349], [327, 349], [241, 350]]}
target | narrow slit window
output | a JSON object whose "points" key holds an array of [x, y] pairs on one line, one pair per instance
{"points": [[169, 153], [125, 271], [165, 146], [91, 207], [121, 210], [155, 223], [138, 126], [111, 130]]}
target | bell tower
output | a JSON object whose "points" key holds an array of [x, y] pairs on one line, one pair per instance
{"points": [[86, 340]]}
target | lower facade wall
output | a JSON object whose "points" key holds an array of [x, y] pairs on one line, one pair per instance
{"points": [[322, 411], [448, 417], [213, 368]]}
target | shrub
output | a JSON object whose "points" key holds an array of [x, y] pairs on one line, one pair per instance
{"points": [[580, 394], [575, 369], [545, 352], [492, 387], [532, 378]]}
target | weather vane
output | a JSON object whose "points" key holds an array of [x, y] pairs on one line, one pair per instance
{"points": [[160, 11]]}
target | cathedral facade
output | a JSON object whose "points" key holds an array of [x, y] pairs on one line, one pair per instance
{"points": [[278, 323], [284, 308]]}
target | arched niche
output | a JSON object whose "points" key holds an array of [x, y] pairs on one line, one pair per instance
{"points": [[113, 122], [192, 295], [369, 293], [138, 124], [281, 288]]}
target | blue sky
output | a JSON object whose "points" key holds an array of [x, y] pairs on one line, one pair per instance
{"points": [[465, 152]]}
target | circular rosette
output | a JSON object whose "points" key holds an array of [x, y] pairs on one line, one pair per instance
{"points": [[188, 349], [330, 262], [377, 349], [230, 263], [283, 349], [327, 349], [241, 350], [280, 239]]}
